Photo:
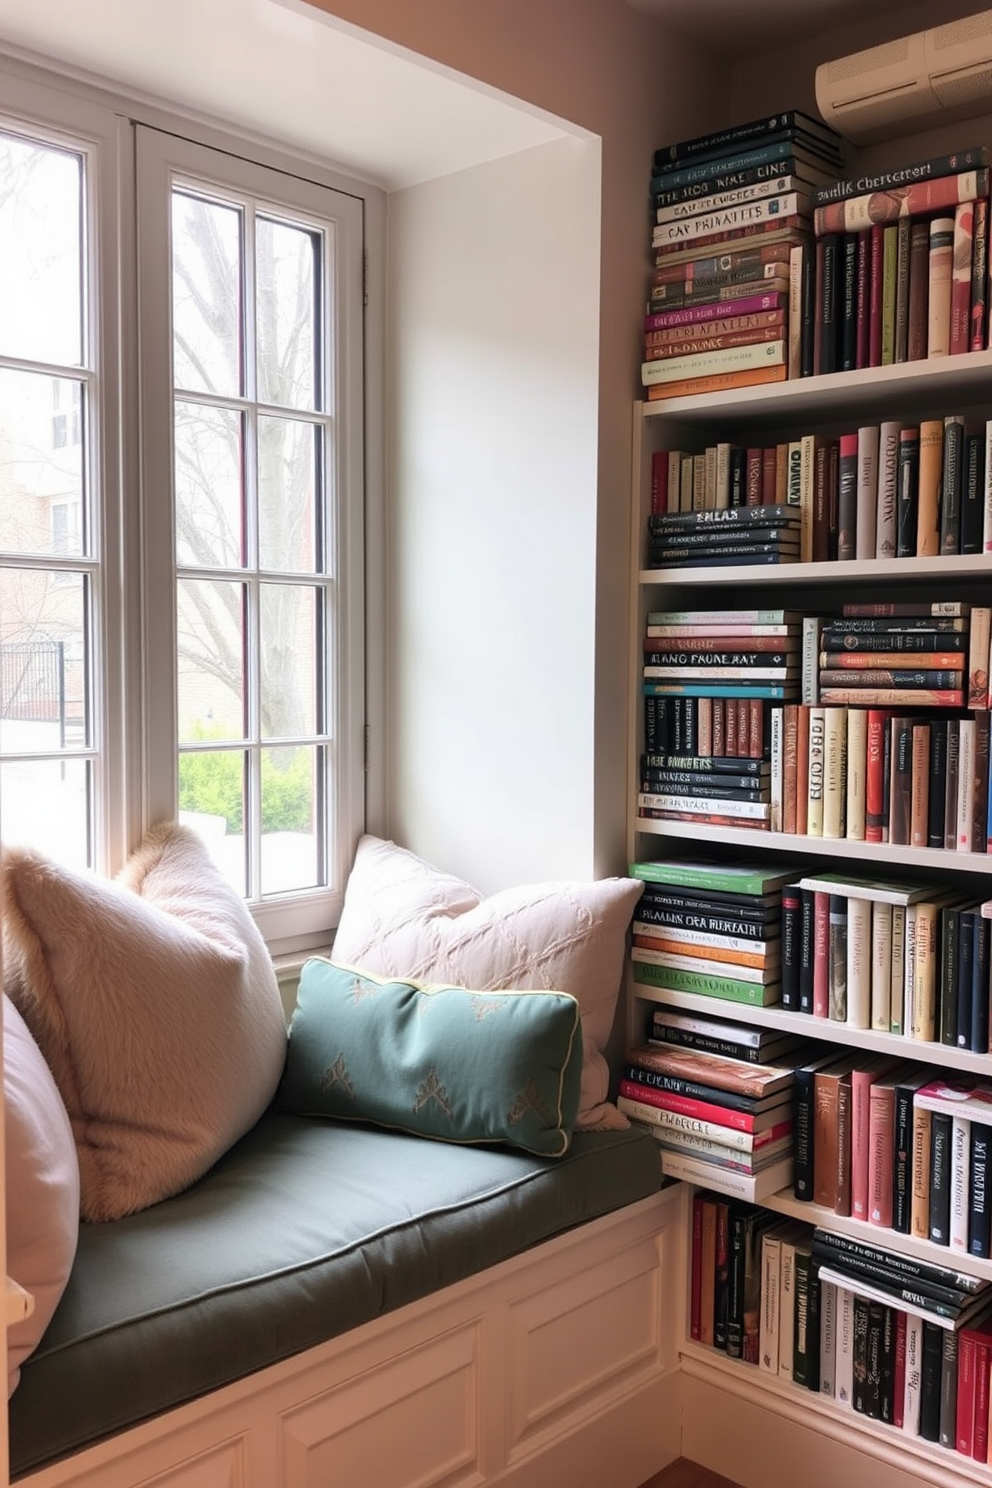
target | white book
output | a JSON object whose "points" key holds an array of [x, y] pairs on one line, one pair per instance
{"points": [[778, 769], [698, 475], [867, 490], [725, 219], [815, 761], [914, 1375], [674, 1121], [722, 493], [844, 1368], [908, 965], [674, 498], [857, 772], [828, 1338], [770, 949], [700, 363], [898, 972], [729, 198], [834, 771], [771, 1271], [885, 509], [966, 770], [881, 967], [787, 1307], [859, 962], [754, 1187], [709, 493], [960, 1183], [704, 806]]}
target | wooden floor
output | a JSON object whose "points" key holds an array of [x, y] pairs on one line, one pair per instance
{"points": [[685, 1474]]}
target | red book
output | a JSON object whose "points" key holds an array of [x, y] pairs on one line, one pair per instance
{"points": [[964, 221], [659, 482], [696, 1286], [980, 1442], [881, 1149], [964, 1436], [875, 276], [821, 955], [768, 458], [756, 727], [919, 274], [752, 476], [857, 212], [730, 727], [899, 1371], [979, 276], [685, 1105], [743, 728], [862, 1084], [875, 776]]}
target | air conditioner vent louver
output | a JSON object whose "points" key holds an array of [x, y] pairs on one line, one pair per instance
{"points": [[942, 74]]}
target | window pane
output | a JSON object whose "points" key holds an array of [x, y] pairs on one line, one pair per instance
{"points": [[43, 662], [41, 464], [286, 313], [288, 615], [209, 526], [46, 805], [211, 660], [41, 233], [212, 786], [207, 297], [289, 813], [287, 487]]}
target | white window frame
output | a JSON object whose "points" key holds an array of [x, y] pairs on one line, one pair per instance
{"points": [[132, 655]]}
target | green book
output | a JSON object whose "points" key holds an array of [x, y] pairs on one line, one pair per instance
{"points": [[755, 994], [734, 878]]}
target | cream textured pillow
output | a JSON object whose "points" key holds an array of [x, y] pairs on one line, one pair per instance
{"points": [[155, 1004], [404, 918], [42, 1186]]}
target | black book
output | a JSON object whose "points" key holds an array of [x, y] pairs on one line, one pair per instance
{"points": [[941, 1301], [913, 1271], [949, 945], [947, 1426], [807, 314], [933, 1351], [708, 1043], [981, 929], [888, 1369], [804, 1283], [724, 520], [951, 485], [951, 785], [964, 980], [721, 1280], [703, 765], [901, 781], [828, 300], [655, 725], [907, 492], [806, 951], [709, 920], [873, 1360], [980, 1212], [657, 782], [935, 793], [859, 1352], [848, 354], [813, 1325], [754, 132], [792, 909], [919, 170], [940, 1178], [973, 492]]}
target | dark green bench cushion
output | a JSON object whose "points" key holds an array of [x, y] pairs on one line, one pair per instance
{"points": [[304, 1230]]}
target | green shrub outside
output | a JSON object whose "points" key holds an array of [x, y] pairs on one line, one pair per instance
{"points": [[211, 781]]}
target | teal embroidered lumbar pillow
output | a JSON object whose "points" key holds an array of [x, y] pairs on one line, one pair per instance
{"points": [[442, 1062]]}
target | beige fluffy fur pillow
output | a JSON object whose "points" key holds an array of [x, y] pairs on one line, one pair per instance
{"points": [[155, 1004]]}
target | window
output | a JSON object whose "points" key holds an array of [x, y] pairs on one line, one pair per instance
{"points": [[233, 693]]}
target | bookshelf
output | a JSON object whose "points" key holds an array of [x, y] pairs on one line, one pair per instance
{"points": [[767, 414]]}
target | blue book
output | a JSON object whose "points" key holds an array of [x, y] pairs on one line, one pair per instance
{"points": [[770, 690], [782, 149]]}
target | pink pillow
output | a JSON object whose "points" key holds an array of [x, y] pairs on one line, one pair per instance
{"points": [[404, 918], [42, 1186], [154, 1001]]}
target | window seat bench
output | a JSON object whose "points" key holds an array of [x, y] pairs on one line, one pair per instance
{"points": [[336, 1304]]}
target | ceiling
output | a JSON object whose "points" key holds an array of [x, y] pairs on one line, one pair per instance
{"points": [[293, 74], [741, 29]]}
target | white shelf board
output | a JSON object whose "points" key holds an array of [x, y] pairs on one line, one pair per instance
{"points": [[924, 858], [807, 1026], [860, 392], [842, 572]]}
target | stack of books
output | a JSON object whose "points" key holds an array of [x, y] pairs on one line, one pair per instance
{"points": [[727, 943], [721, 538], [739, 1101], [731, 241], [896, 660], [902, 263]]}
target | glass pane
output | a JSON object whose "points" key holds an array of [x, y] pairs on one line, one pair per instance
{"points": [[41, 237], [285, 280], [46, 805], [212, 803], [287, 661], [211, 671], [209, 525], [43, 662], [41, 464], [206, 296], [289, 842], [287, 491]]}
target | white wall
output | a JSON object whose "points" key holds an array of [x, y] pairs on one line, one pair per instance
{"points": [[492, 388]]}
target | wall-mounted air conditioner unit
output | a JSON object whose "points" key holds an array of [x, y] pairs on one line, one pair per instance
{"points": [[941, 74]]}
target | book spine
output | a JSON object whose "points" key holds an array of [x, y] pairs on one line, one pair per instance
{"points": [[960, 1177], [939, 286], [854, 213], [961, 257]]}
